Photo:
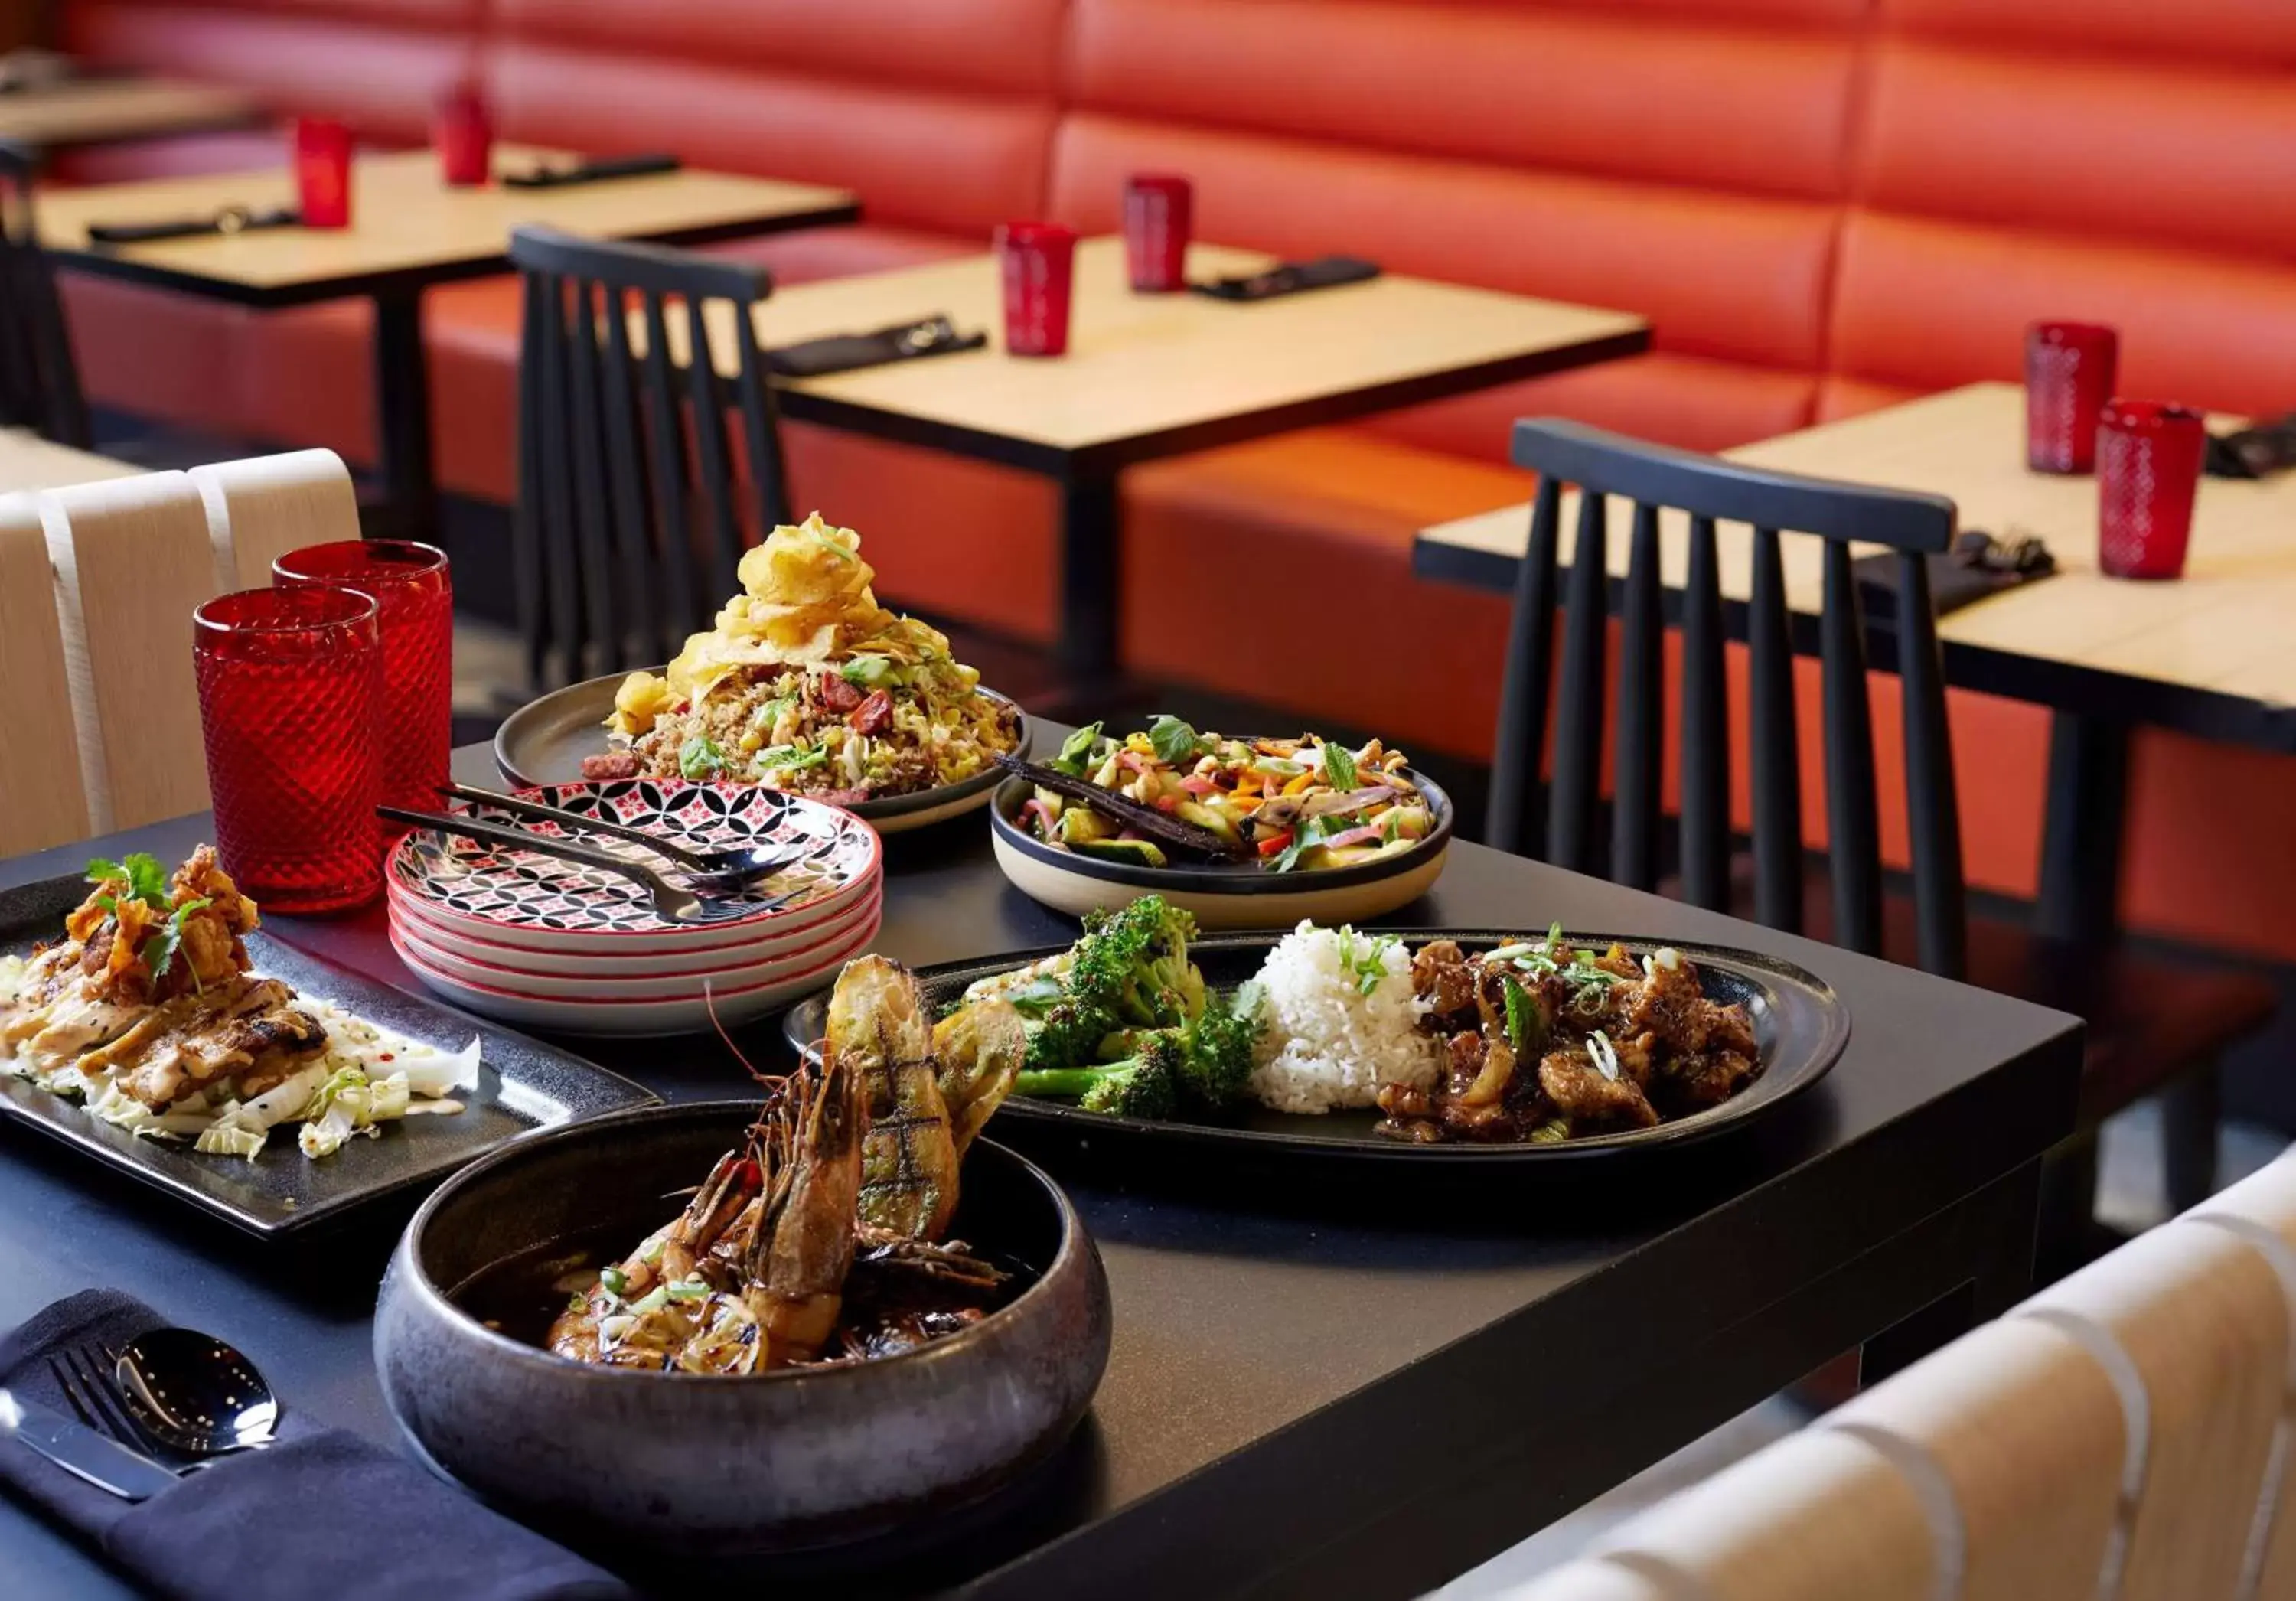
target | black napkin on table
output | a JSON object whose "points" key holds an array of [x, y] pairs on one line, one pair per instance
{"points": [[592, 171], [2256, 452], [231, 219], [1289, 278], [850, 352], [321, 1513], [1978, 565]]}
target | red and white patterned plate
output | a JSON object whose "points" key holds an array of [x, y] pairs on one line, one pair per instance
{"points": [[516, 897], [815, 932]]}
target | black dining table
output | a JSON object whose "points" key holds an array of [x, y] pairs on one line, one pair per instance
{"points": [[1343, 1384]]}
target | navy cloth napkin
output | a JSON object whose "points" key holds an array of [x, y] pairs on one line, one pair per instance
{"points": [[321, 1513], [1977, 566]]}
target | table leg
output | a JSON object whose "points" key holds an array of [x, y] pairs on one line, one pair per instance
{"points": [[1090, 527], [2081, 833], [402, 415]]}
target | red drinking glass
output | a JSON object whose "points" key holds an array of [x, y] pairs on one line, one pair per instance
{"points": [[323, 172], [2069, 375], [464, 134], [1038, 263], [413, 594], [289, 682], [1159, 211], [2148, 470]]}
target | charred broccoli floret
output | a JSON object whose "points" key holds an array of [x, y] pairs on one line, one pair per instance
{"points": [[1134, 964], [1144, 1084], [1217, 1049], [1066, 1034]]}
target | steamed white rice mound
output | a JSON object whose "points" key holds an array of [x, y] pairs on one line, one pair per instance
{"points": [[1340, 1019]]}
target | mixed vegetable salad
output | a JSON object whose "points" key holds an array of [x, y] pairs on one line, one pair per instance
{"points": [[1293, 804]]}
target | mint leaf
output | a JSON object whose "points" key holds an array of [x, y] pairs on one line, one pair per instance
{"points": [[1339, 765], [1175, 741], [699, 758], [1076, 752], [1309, 833]]}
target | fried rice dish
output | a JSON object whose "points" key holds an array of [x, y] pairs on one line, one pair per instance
{"points": [[807, 684]]}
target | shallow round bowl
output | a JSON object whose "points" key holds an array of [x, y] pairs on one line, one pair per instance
{"points": [[1219, 895], [617, 1458]]}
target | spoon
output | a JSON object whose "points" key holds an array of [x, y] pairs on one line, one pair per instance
{"points": [[193, 1391]]}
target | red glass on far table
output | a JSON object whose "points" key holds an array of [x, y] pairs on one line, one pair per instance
{"points": [[464, 134], [413, 593], [289, 683], [2148, 472], [2068, 376], [1037, 260], [1159, 212], [323, 172]]}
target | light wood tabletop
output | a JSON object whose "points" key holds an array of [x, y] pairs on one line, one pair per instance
{"points": [[29, 462], [100, 111], [407, 225], [1149, 375], [2223, 628]]}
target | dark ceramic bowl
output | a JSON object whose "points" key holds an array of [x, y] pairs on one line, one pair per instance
{"points": [[1220, 894], [725, 1466]]}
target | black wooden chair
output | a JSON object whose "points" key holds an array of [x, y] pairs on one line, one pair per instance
{"points": [[632, 509], [39, 380], [2150, 1025]]}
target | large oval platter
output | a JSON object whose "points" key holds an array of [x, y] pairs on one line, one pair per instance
{"points": [[1799, 1023], [543, 742]]}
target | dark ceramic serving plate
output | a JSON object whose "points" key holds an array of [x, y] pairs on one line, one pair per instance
{"points": [[1799, 1022], [524, 1086], [544, 741], [717, 1466]]}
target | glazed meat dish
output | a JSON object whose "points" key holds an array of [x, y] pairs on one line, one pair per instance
{"points": [[823, 1237], [1543, 1043]]}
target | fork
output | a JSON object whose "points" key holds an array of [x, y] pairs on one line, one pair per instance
{"points": [[732, 864], [97, 1404], [673, 903]]}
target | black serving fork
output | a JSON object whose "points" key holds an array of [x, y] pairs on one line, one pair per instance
{"points": [[733, 865], [714, 900], [88, 1390]]}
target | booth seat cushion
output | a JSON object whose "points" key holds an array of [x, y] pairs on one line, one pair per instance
{"points": [[379, 64]]}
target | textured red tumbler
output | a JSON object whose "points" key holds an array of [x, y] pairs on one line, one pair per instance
{"points": [[1039, 262], [1159, 211], [2068, 376], [464, 134], [2148, 472], [289, 683], [323, 172]]}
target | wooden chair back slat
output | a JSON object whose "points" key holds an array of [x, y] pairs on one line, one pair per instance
{"points": [[1934, 812], [1642, 712], [2020, 1434], [622, 456], [1774, 744], [586, 432], [39, 377], [1581, 695], [259, 509], [1661, 482], [1853, 824], [2193, 1323], [1515, 807], [1821, 1516], [1705, 727], [43, 799], [642, 637]]}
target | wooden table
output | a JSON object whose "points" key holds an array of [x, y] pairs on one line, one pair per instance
{"points": [[2211, 655], [29, 462], [37, 122], [409, 231], [1317, 1389], [1150, 376]]}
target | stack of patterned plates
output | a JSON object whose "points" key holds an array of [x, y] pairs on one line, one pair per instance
{"points": [[552, 944]]}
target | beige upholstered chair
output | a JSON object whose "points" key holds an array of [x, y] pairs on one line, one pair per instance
{"points": [[2016, 1437], [1821, 1516], [98, 582], [1595, 1578], [2192, 1326], [2261, 1209]]}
